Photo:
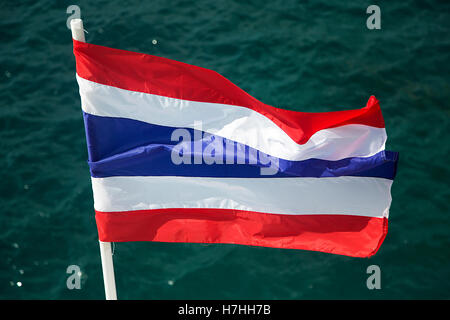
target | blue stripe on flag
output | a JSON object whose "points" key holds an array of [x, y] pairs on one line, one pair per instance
{"points": [[126, 147]]}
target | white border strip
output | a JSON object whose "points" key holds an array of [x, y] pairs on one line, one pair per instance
{"points": [[361, 196], [236, 123]]}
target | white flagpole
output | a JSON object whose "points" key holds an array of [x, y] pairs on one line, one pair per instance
{"points": [[76, 26], [108, 270]]}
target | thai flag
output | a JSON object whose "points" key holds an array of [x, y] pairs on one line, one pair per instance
{"points": [[177, 153]]}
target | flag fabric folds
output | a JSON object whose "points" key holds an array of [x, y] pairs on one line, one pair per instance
{"points": [[177, 153]]}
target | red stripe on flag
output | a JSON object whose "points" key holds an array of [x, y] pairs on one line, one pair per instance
{"points": [[156, 75], [355, 236]]}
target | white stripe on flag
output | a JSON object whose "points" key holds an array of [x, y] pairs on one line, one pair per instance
{"points": [[236, 123], [361, 196]]}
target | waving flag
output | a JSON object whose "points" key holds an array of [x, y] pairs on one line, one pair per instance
{"points": [[177, 153]]}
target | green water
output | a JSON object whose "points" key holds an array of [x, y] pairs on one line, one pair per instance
{"points": [[299, 55]]}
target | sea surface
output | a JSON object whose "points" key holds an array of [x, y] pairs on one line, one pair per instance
{"points": [[300, 55]]}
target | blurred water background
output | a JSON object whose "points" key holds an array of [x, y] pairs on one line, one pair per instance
{"points": [[300, 55]]}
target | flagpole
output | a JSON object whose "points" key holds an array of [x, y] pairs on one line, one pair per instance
{"points": [[76, 26], [108, 270]]}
